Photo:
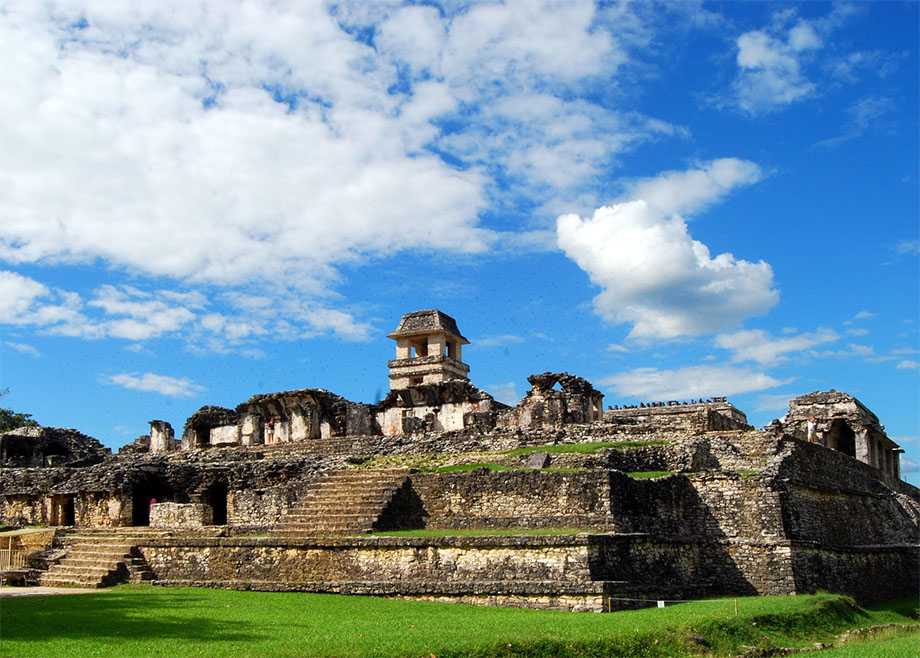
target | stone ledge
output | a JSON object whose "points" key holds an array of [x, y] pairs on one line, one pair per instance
{"points": [[524, 541], [406, 588]]}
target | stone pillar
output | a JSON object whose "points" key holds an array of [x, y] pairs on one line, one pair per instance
{"points": [[811, 431], [402, 348], [162, 436], [863, 446], [436, 345], [251, 430]]}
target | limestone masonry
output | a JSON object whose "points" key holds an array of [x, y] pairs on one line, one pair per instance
{"points": [[297, 490]]}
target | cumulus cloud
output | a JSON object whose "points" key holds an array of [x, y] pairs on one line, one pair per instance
{"points": [[689, 382], [264, 146], [770, 60], [653, 274], [759, 346], [230, 323], [178, 387], [690, 191], [908, 364]]}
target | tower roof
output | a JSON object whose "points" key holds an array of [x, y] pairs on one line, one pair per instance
{"points": [[429, 321]]}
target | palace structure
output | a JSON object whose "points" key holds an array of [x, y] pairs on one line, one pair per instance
{"points": [[306, 490]]}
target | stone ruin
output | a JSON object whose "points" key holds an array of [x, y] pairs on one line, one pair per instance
{"points": [[291, 490], [840, 422], [49, 446]]}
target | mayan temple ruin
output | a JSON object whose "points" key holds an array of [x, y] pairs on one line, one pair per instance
{"points": [[296, 491]]}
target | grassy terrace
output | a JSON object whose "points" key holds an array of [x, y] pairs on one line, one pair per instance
{"points": [[503, 461], [150, 621]]}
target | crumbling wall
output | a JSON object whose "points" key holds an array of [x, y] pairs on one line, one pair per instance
{"points": [[715, 414], [302, 415], [514, 499], [38, 447], [180, 515], [555, 399], [450, 406]]}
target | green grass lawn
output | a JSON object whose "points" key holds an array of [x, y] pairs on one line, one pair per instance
{"points": [[150, 621]]}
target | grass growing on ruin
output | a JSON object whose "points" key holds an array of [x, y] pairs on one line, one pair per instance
{"points": [[466, 468], [149, 621], [482, 532], [582, 448], [649, 475]]}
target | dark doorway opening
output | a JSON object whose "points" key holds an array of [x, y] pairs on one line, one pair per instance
{"points": [[217, 498], [63, 511], [146, 493], [68, 512], [202, 437], [841, 437]]}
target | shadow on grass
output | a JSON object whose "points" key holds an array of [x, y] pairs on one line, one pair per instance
{"points": [[117, 615]]}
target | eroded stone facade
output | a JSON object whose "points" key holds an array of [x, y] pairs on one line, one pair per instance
{"points": [[658, 499]]}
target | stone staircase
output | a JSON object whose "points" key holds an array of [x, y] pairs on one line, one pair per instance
{"points": [[344, 502], [99, 559]]}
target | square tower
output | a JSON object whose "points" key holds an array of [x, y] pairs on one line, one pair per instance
{"points": [[428, 350]]}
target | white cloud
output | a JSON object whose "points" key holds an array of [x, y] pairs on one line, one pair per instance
{"points": [[689, 382], [860, 316], [262, 147], [769, 73], [654, 275], [759, 346], [502, 340], [125, 312], [619, 348], [17, 295], [862, 116], [771, 60], [858, 331], [908, 364], [911, 247], [690, 191], [773, 402], [909, 465], [23, 348], [506, 393], [163, 384]]}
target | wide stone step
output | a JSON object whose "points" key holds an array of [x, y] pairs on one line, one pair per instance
{"points": [[346, 499], [307, 518], [67, 582], [81, 572], [361, 489], [87, 562]]}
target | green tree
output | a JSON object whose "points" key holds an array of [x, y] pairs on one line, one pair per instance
{"points": [[10, 420]]}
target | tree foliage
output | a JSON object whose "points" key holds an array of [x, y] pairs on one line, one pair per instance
{"points": [[10, 420]]}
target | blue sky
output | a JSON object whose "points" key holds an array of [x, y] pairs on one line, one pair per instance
{"points": [[200, 201]]}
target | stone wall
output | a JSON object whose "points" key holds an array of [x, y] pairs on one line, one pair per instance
{"points": [[514, 499], [868, 573], [448, 559], [180, 515]]}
